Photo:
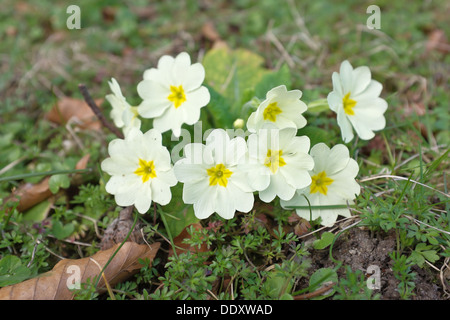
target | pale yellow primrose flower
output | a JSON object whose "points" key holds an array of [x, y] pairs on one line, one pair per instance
{"points": [[355, 99], [333, 183], [214, 179], [281, 108], [140, 169], [173, 93], [123, 114], [278, 162]]}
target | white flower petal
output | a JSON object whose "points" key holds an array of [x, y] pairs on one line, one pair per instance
{"points": [[144, 198], [189, 173], [320, 152], [153, 90], [193, 77], [345, 125], [363, 131], [204, 205], [346, 73], [259, 177], [334, 101], [169, 120], [337, 84], [276, 91], [340, 155], [372, 108], [277, 187], [152, 109], [224, 203], [117, 166], [161, 191], [372, 91], [361, 79], [165, 63], [217, 142]]}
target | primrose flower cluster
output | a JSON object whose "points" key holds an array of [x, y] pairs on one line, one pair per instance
{"points": [[224, 174]]}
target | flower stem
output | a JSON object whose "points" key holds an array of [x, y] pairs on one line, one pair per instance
{"points": [[169, 234], [46, 173], [91, 103]]}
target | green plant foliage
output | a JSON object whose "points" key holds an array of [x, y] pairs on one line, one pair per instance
{"points": [[323, 277], [12, 271]]}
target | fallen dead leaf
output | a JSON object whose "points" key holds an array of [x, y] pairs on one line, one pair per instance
{"points": [[209, 32], [302, 227], [54, 285], [77, 178], [437, 41], [82, 163], [76, 110], [30, 194], [182, 247]]}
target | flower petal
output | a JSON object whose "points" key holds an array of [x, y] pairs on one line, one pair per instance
{"points": [[143, 198], [193, 77], [334, 101], [345, 73], [345, 125], [337, 84], [361, 79]]}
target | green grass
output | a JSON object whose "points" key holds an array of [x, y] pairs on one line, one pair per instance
{"points": [[257, 255]]}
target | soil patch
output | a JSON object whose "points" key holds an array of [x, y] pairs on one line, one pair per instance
{"points": [[359, 249]]}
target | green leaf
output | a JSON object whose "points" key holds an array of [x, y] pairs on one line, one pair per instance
{"points": [[219, 110], [231, 73], [417, 258], [12, 271], [325, 240], [286, 296], [273, 79], [318, 106], [178, 214], [430, 255], [278, 284], [60, 231], [321, 278], [37, 213], [316, 134], [58, 181], [421, 253]]}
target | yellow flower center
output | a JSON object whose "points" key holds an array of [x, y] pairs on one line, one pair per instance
{"points": [[218, 175], [177, 95], [274, 160], [320, 182], [348, 104], [146, 170], [271, 112], [134, 110]]}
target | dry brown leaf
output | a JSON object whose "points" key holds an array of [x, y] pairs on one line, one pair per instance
{"points": [[82, 163], [182, 247], [53, 285], [77, 178], [209, 32], [437, 41], [30, 194], [76, 110], [302, 227]]}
